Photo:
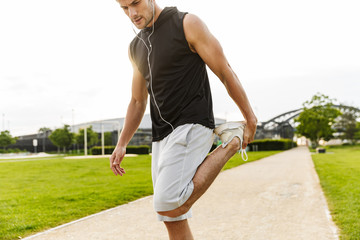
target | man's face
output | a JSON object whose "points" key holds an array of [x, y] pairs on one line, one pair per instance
{"points": [[140, 12]]}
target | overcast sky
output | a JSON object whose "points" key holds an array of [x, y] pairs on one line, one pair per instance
{"points": [[65, 61]]}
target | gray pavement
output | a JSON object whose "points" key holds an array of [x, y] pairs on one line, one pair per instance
{"points": [[278, 197]]}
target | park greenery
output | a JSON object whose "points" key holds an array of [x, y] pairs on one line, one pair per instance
{"points": [[271, 144], [6, 139], [62, 137], [347, 125], [141, 149], [57, 190], [321, 120], [107, 138], [91, 136], [316, 119], [44, 133], [339, 174], [86, 186]]}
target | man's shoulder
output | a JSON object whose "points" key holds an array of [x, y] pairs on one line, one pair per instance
{"points": [[133, 43], [172, 12]]}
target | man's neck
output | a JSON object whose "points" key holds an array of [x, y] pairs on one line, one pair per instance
{"points": [[158, 11]]}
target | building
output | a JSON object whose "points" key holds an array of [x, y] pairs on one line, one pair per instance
{"points": [[141, 137]]}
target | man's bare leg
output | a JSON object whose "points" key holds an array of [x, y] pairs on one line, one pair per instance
{"points": [[179, 230], [205, 175]]}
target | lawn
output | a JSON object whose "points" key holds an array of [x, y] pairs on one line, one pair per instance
{"points": [[339, 173], [36, 195], [236, 160]]}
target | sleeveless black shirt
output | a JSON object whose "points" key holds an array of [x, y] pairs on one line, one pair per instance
{"points": [[179, 79]]}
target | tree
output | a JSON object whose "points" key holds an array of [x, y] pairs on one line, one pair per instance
{"points": [[357, 133], [347, 125], [6, 139], [62, 137], [44, 131], [91, 136], [108, 138], [317, 118]]}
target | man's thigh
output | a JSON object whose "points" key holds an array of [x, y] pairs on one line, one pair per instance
{"points": [[174, 164]]}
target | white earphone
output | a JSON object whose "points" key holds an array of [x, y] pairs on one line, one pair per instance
{"points": [[149, 49]]}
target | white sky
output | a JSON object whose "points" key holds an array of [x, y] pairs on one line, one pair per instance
{"points": [[63, 57]]}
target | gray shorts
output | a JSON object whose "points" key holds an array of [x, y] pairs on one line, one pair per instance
{"points": [[175, 160]]}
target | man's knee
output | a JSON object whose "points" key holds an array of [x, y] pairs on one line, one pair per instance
{"points": [[234, 145], [175, 212], [163, 201], [168, 201], [166, 205]]}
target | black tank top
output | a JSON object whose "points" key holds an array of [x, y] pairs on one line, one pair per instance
{"points": [[179, 79]]}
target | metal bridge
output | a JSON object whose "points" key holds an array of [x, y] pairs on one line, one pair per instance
{"points": [[283, 125]]}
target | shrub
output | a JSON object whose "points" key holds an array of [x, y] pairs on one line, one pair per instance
{"points": [[97, 150], [143, 149], [272, 144], [14, 150], [11, 150]]}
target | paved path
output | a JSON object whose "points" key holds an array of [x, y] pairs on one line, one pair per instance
{"points": [[43, 157], [277, 198], [25, 155]]}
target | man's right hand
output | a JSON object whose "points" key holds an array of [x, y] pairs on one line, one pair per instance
{"points": [[115, 160]]}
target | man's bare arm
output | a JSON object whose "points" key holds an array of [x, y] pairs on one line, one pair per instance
{"points": [[134, 115], [209, 49]]}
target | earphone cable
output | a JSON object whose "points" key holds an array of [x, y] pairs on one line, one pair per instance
{"points": [[149, 49]]}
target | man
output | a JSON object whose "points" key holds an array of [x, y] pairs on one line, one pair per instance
{"points": [[168, 57]]}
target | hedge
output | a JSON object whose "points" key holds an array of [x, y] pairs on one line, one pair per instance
{"points": [[271, 144], [11, 150], [143, 149]]}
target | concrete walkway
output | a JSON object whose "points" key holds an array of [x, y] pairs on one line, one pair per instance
{"points": [[278, 197]]}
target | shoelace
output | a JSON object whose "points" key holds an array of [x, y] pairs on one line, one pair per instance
{"points": [[243, 151]]}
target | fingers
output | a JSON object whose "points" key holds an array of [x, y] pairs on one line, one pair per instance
{"points": [[117, 169], [244, 145], [115, 165], [249, 135], [246, 141]]}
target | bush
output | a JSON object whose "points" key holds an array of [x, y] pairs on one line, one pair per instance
{"points": [[271, 144], [143, 149], [14, 150], [11, 150], [97, 150]]}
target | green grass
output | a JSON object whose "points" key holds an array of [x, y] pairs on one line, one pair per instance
{"points": [[27, 159], [339, 173], [236, 160], [36, 195]]}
